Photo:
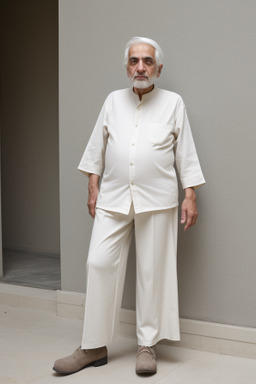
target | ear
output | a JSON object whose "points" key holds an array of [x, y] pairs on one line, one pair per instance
{"points": [[160, 67]]}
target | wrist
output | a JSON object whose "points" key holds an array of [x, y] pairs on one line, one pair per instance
{"points": [[190, 193], [93, 182]]}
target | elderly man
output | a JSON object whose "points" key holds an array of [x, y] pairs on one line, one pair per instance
{"points": [[139, 135]]}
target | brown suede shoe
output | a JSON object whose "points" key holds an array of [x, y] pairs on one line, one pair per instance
{"points": [[81, 359], [146, 360]]}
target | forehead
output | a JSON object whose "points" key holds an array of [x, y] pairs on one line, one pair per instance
{"points": [[142, 50]]}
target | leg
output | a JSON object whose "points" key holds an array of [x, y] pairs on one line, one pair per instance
{"points": [[156, 289], [106, 267]]}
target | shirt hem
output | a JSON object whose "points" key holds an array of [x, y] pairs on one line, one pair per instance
{"points": [[140, 210]]}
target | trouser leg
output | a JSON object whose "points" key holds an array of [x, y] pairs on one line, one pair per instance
{"points": [[106, 267], [156, 288]]}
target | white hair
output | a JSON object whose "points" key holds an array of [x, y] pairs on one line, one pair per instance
{"points": [[137, 40]]}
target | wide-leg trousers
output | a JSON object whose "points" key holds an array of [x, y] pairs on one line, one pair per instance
{"points": [[157, 315]]}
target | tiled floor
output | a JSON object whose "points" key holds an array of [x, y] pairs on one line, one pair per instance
{"points": [[31, 269], [31, 340]]}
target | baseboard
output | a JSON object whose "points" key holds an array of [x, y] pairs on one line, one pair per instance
{"points": [[70, 304], [204, 336], [27, 297], [200, 335]]}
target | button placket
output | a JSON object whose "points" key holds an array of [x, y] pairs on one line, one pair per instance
{"points": [[132, 151]]}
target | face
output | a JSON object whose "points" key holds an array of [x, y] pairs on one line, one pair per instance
{"points": [[142, 68]]}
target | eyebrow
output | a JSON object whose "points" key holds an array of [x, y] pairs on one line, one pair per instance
{"points": [[143, 58]]}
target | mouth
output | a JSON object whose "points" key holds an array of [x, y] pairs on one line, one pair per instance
{"points": [[141, 78]]}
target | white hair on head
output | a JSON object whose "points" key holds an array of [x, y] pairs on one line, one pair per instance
{"points": [[137, 40]]}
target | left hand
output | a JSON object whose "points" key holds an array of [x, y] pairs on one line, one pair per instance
{"points": [[189, 211]]}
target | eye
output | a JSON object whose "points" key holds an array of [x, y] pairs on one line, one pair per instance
{"points": [[149, 61], [133, 61]]}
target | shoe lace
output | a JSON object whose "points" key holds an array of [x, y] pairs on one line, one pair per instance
{"points": [[80, 351], [150, 350]]}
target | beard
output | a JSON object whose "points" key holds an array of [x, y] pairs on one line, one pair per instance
{"points": [[142, 84]]}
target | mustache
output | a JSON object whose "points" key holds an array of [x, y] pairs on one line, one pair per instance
{"points": [[139, 75]]}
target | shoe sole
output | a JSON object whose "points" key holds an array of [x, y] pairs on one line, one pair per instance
{"points": [[96, 363], [146, 371]]}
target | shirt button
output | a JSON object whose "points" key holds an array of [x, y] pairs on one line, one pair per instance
{"points": [[133, 144], [132, 183], [131, 163]]}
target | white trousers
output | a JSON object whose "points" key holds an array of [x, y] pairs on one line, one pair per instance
{"points": [[157, 315]]}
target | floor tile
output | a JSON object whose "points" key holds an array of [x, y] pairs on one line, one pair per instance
{"points": [[32, 340], [210, 368]]}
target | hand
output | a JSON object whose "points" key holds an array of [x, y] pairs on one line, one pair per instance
{"points": [[93, 191], [189, 212]]}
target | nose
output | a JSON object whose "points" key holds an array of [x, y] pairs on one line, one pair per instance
{"points": [[140, 66]]}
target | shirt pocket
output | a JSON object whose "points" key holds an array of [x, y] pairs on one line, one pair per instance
{"points": [[160, 134]]}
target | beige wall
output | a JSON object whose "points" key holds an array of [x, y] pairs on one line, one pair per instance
{"points": [[210, 60], [29, 89]]}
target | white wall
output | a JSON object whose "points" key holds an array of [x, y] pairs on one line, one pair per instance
{"points": [[210, 60], [29, 88]]}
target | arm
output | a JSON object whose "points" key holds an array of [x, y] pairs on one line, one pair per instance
{"points": [[188, 166], [93, 158], [92, 162], [189, 212], [186, 158], [93, 191]]}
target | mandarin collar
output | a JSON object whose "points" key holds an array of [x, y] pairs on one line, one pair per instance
{"points": [[145, 97]]}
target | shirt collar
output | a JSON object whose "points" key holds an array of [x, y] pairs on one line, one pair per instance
{"points": [[145, 97]]}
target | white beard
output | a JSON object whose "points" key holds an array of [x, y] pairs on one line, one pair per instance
{"points": [[142, 84]]}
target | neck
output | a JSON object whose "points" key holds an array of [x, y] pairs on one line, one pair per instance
{"points": [[141, 91]]}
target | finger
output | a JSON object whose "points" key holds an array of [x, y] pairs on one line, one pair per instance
{"points": [[188, 223], [195, 218], [91, 209], [191, 220], [92, 212], [183, 216]]}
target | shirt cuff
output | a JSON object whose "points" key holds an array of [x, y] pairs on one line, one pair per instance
{"points": [[87, 169], [193, 182]]}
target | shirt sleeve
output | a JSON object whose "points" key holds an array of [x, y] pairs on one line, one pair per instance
{"points": [[93, 157], [186, 158]]}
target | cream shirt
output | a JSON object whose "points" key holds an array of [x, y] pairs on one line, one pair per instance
{"points": [[134, 146]]}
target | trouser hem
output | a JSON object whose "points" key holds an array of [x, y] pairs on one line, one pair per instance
{"points": [[96, 345], [155, 341]]}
